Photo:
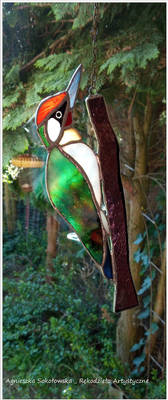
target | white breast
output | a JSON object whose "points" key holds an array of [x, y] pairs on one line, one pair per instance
{"points": [[86, 158]]}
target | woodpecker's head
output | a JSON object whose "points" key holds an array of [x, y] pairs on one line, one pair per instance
{"points": [[54, 113]]}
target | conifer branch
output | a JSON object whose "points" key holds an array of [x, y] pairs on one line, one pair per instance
{"points": [[51, 47]]}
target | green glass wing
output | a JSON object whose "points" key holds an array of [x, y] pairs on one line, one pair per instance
{"points": [[69, 193]]}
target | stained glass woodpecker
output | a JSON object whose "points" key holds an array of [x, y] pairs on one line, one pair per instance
{"points": [[73, 177]]}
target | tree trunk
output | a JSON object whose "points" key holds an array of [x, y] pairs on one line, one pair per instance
{"points": [[52, 231], [128, 330], [159, 306]]}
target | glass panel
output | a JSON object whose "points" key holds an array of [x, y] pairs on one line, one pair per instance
{"points": [[48, 105], [110, 167], [73, 87], [53, 129], [42, 135], [38, 178], [86, 158], [70, 135], [73, 236], [31, 129], [69, 119], [70, 194], [104, 221], [107, 267]]}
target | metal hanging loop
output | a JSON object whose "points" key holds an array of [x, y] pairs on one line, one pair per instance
{"points": [[94, 32]]}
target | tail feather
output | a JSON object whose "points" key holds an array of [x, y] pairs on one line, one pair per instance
{"points": [[107, 267], [96, 237]]}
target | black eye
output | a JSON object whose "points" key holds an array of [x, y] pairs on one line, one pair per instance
{"points": [[58, 114]]}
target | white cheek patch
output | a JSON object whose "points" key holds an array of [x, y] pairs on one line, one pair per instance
{"points": [[53, 129]]}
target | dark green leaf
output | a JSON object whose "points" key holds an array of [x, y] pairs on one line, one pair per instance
{"points": [[138, 345], [139, 360]]}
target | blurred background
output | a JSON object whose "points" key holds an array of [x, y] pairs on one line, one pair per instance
{"points": [[58, 309]]}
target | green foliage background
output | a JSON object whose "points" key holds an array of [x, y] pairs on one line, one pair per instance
{"points": [[59, 329], [128, 54]]}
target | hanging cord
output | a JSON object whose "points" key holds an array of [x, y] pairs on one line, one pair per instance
{"points": [[94, 32]]}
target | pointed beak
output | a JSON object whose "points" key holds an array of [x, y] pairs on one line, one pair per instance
{"points": [[73, 86]]}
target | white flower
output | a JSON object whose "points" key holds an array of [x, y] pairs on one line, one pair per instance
{"points": [[11, 173]]}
